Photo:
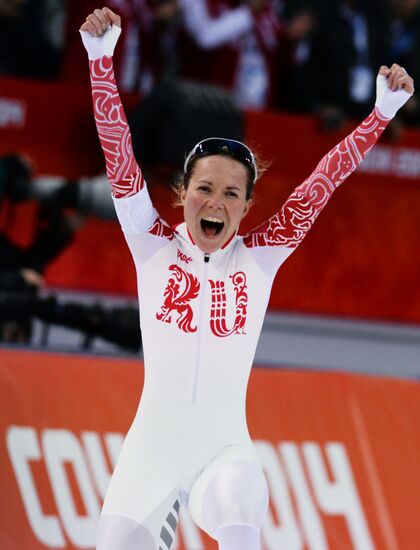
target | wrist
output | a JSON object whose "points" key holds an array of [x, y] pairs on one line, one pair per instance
{"points": [[100, 46], [381, 115]]}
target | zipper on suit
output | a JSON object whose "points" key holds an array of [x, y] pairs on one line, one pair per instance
{"points": [[203, 288]]}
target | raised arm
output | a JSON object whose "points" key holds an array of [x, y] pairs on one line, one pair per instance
{"points": [[289, 226], [100, 34]]}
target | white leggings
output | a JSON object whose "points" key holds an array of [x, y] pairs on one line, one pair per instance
{"points": [[200, 456], [230, 506]]}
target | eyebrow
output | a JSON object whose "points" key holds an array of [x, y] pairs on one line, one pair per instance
{"points": [[211, 183]]}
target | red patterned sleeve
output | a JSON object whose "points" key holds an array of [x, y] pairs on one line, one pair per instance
{"points": [[122, 169], [289, 226]]}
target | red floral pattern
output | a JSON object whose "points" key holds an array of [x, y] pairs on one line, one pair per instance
{"points": [[122, 169], [290, 225]]}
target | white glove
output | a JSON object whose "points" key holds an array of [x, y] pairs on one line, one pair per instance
{"points": [[98, 46], [387, 101]]}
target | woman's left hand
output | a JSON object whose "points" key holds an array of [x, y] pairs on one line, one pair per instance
{"points": [[397, 78], [394, 87]]}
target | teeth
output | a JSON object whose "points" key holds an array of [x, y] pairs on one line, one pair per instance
{"points": [[212, 219]]}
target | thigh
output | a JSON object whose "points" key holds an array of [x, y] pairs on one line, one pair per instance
{"points": [[231, 489], [140, 511], [146, 473]]}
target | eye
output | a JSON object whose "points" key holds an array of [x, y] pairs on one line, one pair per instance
{"points": [[232, 194], [204, 188]]}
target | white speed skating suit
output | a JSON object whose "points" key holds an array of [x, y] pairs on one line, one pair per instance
{"points": [[201, 316]]}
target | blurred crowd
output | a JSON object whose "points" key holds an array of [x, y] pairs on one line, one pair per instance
{"points": [[311, 56]]}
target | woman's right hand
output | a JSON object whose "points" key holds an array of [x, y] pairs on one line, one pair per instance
{"points": [[100, 33]]}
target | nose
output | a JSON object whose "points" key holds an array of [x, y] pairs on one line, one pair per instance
{"points": [[215, 202]]}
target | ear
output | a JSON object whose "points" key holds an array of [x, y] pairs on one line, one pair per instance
{"points": [[182, 194]]}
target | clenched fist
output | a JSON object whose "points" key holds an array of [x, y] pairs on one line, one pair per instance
{"points": [[394, 87], [100, 33]]}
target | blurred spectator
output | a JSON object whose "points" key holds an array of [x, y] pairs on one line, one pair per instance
{"points": [[221, 42], [31, 37], [348, 49], [53, 230], [233, 44], [405, 49], [22, 267], [150, 45]]}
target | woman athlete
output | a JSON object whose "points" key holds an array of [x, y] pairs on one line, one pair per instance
{"points": [[203, 292]]}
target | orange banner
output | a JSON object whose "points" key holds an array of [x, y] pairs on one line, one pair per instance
{"points": [[340, 453]]}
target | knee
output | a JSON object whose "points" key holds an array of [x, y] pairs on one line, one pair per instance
{"points": [[237, 493]]}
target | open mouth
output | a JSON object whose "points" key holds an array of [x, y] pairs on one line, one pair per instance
{"points": [[211, 226]]}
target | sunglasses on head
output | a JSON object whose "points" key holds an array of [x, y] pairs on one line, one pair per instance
{"points": [[235, 149]]}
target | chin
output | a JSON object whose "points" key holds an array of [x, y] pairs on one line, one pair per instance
{"points": [[210, 245], [209, 248]]}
